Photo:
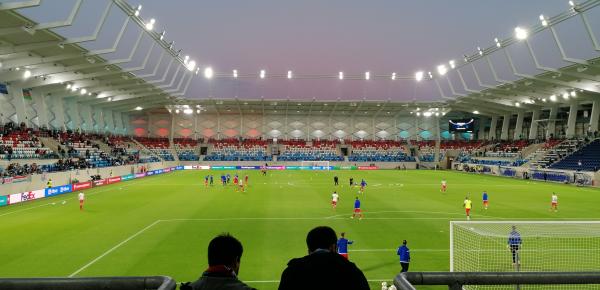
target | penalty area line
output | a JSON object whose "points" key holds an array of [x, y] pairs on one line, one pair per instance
{"points": [[113, 248]]}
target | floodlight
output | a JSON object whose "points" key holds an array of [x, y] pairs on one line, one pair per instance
{"points": [[521, 33], [68, 86], [341, 75], [177, 111], [543, 20], [289, 74], [476, 112], [83, 91], [110, 99], [162, 35], [442, 69], [544, 100], [235, 73], [191, 65], [367, 75], [26, 74], [565, 96], [419, 76], [553, 98], [393, 76], [188, 111], [573, 94], [262, 73], [208, 72], [137, 10], [418, 114], [138, 108], [198, 111], [150, 24], [452, 64], [517, 104], [73, 88]]}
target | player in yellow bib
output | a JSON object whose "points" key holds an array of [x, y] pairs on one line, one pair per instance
{"points": [[468, 204]]}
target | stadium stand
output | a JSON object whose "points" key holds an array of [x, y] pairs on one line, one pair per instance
{"points": [[297, 150], [186, 149], [158, 146], [587, 158], [378, 151], [236, 150]]}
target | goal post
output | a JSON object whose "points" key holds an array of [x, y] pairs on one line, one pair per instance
{"points": [[323, 165], [544, 246]]}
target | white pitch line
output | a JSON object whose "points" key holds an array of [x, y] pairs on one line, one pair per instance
{"points": [[277, 281], [388, 250], [114, 248]]}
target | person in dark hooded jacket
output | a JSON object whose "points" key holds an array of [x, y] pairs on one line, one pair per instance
{"points": [[323, 267]]}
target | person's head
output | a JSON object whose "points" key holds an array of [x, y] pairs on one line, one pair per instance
{"points": [[226, 250], [514, 228], [322, 237], [404, 242], [357, 198], [335, 192], [342, 234]]}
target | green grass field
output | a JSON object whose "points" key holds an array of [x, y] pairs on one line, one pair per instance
{"points": [[161, 225]]}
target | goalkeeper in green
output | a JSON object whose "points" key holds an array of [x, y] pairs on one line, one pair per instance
{"points": [[514, 244]]}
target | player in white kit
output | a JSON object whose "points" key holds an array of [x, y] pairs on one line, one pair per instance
{"points": [[334, 199], [81, 199]]}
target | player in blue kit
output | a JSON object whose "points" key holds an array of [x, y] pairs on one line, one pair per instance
{"points": [[357, 211], [342, 246], [363, 184], [485, 200]]}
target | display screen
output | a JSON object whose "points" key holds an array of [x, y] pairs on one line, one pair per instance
{"points": [[463, 125]]}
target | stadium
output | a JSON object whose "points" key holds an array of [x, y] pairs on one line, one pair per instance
{"points": [[343, 144]]}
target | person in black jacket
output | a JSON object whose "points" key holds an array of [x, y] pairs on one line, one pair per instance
{"points": [[323, 267]]}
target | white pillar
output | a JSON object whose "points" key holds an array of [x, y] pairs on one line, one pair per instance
{"points": [[40, 100], [594, 116], [74, 114], [572, 121], [493, 124], [16, 98], [505, 123], [481, 132], [59, 112], [533, 130], [437, 139], [551, 129], [173, 127], [519, 126]]}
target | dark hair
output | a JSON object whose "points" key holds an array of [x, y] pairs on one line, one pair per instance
{"points": [[224, 249], [404, 242], [321, 238]]}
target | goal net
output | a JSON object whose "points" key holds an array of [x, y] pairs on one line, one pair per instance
{"points": [[322, 165], [543, 246]]}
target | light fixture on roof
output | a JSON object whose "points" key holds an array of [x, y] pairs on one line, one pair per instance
{"points": [[573, 94], [162, 35], [437, 114], [543, 20], [517, 104], [138, 10], [150, 24], [191, 65], [26, 74], [418, 114], [263, 73], [565, 96], [419, 76], [418, 109], [497, 41], [430, 75], [452, 64], [367, 76], [476, 112], [393, 76], [521, 33], [442, 69], [138, 108], [341, 75], [572, 3], [544, 100], [110, 99], [208, 72], [198, 111], [177, 111], [235, 73], [73, 88], [553, 98], [289, 74], [479, 50], [188, 111], [68, 86]]}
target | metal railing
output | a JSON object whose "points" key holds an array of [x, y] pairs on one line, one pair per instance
{"points": [[91, 283], [456, 280]]}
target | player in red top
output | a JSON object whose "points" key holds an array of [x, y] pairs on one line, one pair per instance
{"points": [[444, 186], [246, 180], [235, 180]]}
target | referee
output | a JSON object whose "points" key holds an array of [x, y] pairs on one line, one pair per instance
{"points": [[514, 244]]}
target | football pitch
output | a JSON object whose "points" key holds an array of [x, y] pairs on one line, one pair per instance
{"points": [[161, 225]]}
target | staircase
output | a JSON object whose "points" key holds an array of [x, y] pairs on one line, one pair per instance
{"points": [[145, 150], [103, 146], [51, 144], [173, 150]]}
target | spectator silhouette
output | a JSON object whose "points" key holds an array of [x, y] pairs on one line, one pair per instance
{"points": [[323, 267], [224, 257]]}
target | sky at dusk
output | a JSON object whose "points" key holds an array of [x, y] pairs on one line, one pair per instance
{"points": [[319, 37]]}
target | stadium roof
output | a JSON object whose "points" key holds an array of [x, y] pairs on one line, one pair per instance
{"points": [[122, 64]]}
